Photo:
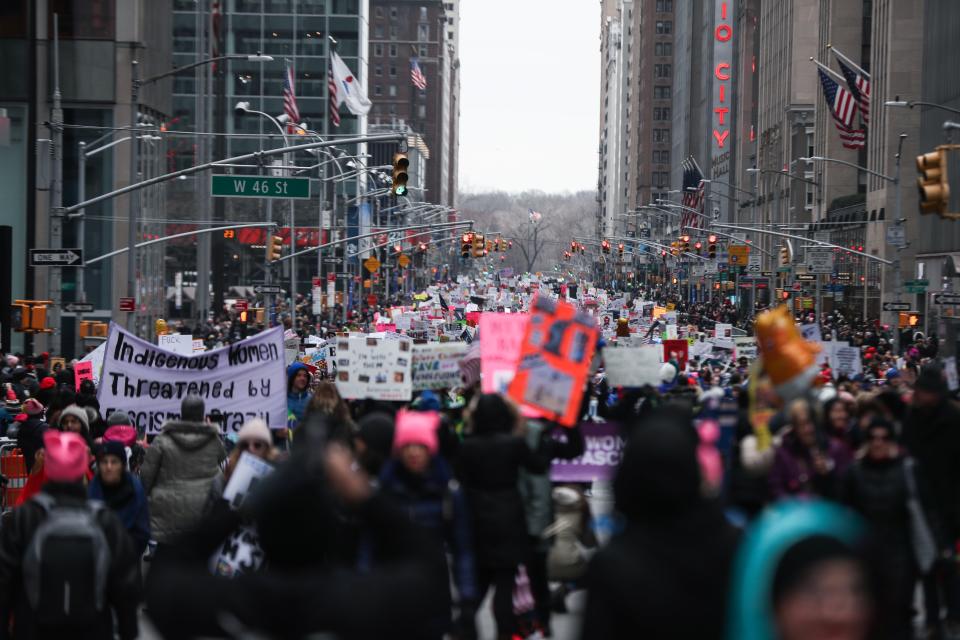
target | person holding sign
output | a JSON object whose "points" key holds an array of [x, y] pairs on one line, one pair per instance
{"points": [[254, 438]]}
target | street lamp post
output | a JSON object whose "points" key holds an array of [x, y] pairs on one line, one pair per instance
{"points": [[134, 205]]}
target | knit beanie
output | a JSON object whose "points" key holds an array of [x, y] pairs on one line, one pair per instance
{"points": [[77, 412], [11, 403], [119, 417], [417, 427], [48, 383], [113, 448], [66, 456], [255, 429], [32, 407]]}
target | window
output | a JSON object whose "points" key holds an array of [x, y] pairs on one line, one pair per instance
{"points": [[664, 6], [378, 31], [661, 135], [661, 93], [377, 90], [378, 50], [393, 109], [423, 32], [664, 27], [423, 51], [661, 70], [663, 49], [661, 157], [393, 32], [393, 71], [378, 12], [661, 113], [423, 93], [393, 51], [393, 13], [422, 111], [423, 14], [378, 70], [393, 91]]}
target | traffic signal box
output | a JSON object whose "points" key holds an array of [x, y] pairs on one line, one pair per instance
{"points": [[932, 184], [274, 247], [712, 247], [466, 245], [479, 246], [30, 316], [400, 165], [784, 257]]}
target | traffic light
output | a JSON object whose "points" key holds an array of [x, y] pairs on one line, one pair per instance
{"points": [[400, 165], [160, 327], [30, 316], [566, 256], [479, 246], [422, 247], [932, 183], [229, 234], [620, 250], [712, 247], [908, 319], [466, 243], [784, 256], [605, 247], [274, 247], [675, 249], [698, 246], [685, 243]]}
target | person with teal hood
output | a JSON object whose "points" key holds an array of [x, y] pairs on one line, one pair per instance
{"points": [[801, 572], [298, 392]]}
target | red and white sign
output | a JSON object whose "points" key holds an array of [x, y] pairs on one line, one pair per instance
{"points": [[241, 305], [128, 304]]}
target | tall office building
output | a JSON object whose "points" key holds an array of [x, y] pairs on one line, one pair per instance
{"points": [[425, 33], [615, 93], [97, 41]]}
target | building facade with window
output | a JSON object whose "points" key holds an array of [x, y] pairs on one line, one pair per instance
{"points": [[97, 41], [427, 32]]}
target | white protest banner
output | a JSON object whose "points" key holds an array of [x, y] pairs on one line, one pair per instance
{"points": [[96, 357], [238, 382], [810, 332], [723, 335], [176, 342], [845, 359], [632, 366], [746, 347], [437, 366], [700, 349], [373, 368]]}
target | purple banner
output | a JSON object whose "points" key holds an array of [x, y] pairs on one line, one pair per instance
{"points": [[603, 446]]}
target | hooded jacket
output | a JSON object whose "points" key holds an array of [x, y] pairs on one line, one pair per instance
{"points": [[666, 574], [129, 502], [176, 474], [297, 400]]}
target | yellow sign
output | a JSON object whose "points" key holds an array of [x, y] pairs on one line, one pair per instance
{"points": [[658, 311], [404, 260], [367, 284], [739, 253], [372, 264]]}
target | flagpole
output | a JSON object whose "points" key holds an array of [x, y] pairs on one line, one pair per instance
{"points": [[836, 76], [853, 64]]}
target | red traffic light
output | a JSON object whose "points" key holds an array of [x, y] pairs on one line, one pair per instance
{"points": [[712, 238], [698, 245]]}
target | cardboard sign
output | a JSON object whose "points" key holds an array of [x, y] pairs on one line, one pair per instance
{"points": [[555, 358], [632, 366], [679, 350], [437, 366], [244, 380], [603, 447], [83, 370], [176, 342], [95, 357], [746, 347], [374, 368], [844, 359], [501, 337]]}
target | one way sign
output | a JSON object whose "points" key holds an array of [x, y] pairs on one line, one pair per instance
{"points": [[56, 257]]}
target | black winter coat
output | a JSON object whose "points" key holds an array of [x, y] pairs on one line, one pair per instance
{"points": [[489, 466], [30, 439], [662, 578], [933, 438], [878, 492], [122, 589]]}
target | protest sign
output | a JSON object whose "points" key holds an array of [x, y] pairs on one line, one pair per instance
{"points": [[844, 359], [670, 332], [240, 552], [95, 357], [558, 346], [437, 366], [241, 381], [374, 368], [723, 336], [632, 366], [501, 336], [950, 371], [678, 350], [699, 349], [746, 347], [82, 370], [810, 332], [176, 342], [603, 446]]}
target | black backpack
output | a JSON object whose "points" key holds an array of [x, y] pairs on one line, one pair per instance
{"points": [[66, 565]]}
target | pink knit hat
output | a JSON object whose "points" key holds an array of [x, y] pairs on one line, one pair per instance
{"points": [[417, 427], [66, 456], [32, 407], [122, 433]]}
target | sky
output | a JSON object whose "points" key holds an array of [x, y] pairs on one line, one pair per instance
{"points": [[529, 95]]}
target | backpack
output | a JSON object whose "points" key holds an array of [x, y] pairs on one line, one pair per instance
{"points": [[66, 564]]}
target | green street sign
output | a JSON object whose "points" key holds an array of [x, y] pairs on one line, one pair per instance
{"points": [[259, 187]]}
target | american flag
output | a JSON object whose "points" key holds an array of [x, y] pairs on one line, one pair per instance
{"points": [[334, 102], [290, 100], [692, 194], [860, 88], [416, 75], [843, 108]]}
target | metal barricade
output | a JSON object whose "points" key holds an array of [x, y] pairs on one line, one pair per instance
{"points": [[14, 471]]}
